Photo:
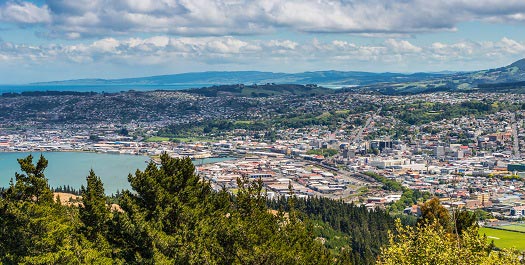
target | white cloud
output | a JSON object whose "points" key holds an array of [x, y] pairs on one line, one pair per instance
{"points": [[282, 55], [286, 44], [108, 45], [24, 13], [402, 46], [106, 18], [511, 46]]}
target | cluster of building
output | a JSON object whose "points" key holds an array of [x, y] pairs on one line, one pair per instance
{"points": [[282, 176], [469, 161]]}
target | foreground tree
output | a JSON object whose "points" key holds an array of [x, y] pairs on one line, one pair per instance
{"points": [[34, 230], [260, 236], [433, 244], [32, 184], [443, 237], [173, 216], [432, 211], [353, 232], [94, 213]]}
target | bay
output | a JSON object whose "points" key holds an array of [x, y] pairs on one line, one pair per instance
{"points": [[71, 168]]}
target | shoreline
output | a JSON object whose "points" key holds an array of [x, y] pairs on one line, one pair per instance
{"points": [[71, 151], [150, 157], [71, 168]]}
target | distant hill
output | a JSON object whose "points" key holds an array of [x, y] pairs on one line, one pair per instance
{"points": [[508, 79], [265, 90], [333, 78], [503, 79]]}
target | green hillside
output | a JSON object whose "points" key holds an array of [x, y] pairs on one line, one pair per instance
{"points": [[265, 90], [510, 79]]}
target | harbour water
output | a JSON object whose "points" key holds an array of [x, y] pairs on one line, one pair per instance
{"points": [[71, 169]]}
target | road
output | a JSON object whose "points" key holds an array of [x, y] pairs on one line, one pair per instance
{"points": [[516, 146], [358, 179], [359, 134]]}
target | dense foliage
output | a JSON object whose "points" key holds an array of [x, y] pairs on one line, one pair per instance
{"points": [[327, 152], [442, 237], [409, 198], [265, 90], [388, 184], [172, 216], [432, 244], [424, 112], [367, 230]]}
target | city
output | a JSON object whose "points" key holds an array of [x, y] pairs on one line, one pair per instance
{"points": [[471, 161], [262, 132]]}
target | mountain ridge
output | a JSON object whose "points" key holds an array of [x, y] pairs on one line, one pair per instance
{"points": [[508, 79], [520, 64], [333, 77]]}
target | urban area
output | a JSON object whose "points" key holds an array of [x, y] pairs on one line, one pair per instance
{"points": [[465, 148]]}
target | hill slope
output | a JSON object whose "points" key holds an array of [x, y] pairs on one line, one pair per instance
{"points": [[261, 90], [504, 79], [336, 78]]}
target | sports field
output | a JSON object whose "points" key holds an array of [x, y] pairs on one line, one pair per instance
{"points": [[514, 227], [157, 139], [504, 239]]}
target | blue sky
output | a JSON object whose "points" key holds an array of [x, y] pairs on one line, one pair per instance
{"points": [[64, 39]]}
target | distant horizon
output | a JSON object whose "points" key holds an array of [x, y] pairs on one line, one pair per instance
{"points": [[50, 40], [232, 71]]}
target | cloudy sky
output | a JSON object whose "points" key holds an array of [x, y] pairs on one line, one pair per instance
{"points": [[44, 40]]}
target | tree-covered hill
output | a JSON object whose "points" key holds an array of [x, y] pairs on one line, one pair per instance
{"points": [[366, 231], [503, 79], [251, 77], [172, 216], [265, 90]]}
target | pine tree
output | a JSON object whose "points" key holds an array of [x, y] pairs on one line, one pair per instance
{"points": [[172, 216], [31, 186], [94, 213]]}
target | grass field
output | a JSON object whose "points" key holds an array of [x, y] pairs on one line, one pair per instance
{"points": [[516, 227], [504, 239], [243, 122], [191, 139], [157, 139], [177, 139]]}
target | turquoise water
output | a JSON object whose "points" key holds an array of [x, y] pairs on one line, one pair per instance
{"points": [[72, 168]]}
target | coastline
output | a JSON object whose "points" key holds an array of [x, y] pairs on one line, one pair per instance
{"points": [[71, 168], [68, 151]]}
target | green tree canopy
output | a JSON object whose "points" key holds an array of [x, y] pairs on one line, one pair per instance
{"points": [[432, 211], [33, 230], [431, 243], [94, 213], [174, 216], [32, 184]]}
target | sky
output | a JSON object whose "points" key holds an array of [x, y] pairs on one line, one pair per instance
{"points": [[45, 40]]}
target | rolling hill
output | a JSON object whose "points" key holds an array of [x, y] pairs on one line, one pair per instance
{"points": [[264, 90], [333, 78], [510, 79]]}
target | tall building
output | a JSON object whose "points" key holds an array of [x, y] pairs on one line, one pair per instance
{"points": [[439, 151]]}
